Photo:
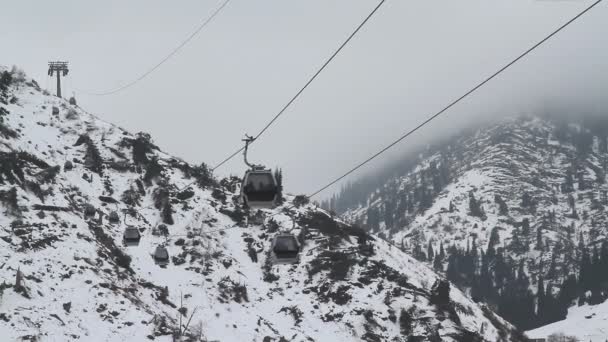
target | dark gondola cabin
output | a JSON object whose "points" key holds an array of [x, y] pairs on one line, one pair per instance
{"points": [[161, 256], [131, 236], [259, 189], [285, 249]]}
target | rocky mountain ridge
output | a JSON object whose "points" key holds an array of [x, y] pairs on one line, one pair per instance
{"points": [[70, 184], [514, 213]]}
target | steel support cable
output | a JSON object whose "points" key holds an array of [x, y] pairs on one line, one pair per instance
{"points": [[451, 104], [166, 58], [310, 80]]}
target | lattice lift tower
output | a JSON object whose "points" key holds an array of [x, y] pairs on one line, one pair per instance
{"points": [[60, 68]]}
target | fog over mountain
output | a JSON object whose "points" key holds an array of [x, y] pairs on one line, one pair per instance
{"points": [[410, 60], [489, 223]]}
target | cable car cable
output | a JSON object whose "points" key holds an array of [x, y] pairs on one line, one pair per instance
{"points": [[295, 97], [166, 58], [451, 104]]}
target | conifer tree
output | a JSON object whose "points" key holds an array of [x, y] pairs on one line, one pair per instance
{"points": [[568, 290], [485, 280], [516, 243], [437, 263], [525, 227], [430, 254], [568, 185], [595, 270], [540, 295], [539, 238], [442, 251], [503, 209], [453, 271], [278, 176], [526, 200], [494, 237], [552, 272], [474, 206], [373, 218], [604, 262], [585, 277], [581, 181]]}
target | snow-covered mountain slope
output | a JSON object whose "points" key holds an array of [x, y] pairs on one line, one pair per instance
{"points": [[69, 186], [588, 323], [502, 207]]}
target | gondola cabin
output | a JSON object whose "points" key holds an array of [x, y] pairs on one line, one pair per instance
{"points": [[285, 249], [259, 188], [131, 236], [161, 256]]}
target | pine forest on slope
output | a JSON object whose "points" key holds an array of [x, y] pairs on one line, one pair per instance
{"points": [[513, 213]]}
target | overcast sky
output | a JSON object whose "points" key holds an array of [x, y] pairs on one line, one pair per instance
{"points": [[410, 60]]}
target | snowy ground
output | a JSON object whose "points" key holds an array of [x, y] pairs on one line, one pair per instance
{"points": [[75, 287], [587, 322]]}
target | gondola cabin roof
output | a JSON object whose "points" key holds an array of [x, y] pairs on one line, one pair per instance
{"points": [[131, 233], [286, 243], [131, 236], [259, 189], [161, 253], [285, 249]]}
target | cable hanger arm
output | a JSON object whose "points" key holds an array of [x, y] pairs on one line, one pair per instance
{"points": [[310, 80]]}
